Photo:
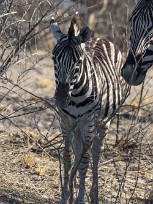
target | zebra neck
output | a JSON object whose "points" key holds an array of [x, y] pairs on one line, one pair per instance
{"points": [[86, 87]]}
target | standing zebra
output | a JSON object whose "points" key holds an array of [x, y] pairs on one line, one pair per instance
{"points": [[89, 90], [140, 56]]}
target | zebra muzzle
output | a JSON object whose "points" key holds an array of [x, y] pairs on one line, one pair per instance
{"points": [[132, 75], [62, 95]]}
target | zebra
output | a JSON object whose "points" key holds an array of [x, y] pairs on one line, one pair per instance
{"points": [[89, 91], [140, 55]]}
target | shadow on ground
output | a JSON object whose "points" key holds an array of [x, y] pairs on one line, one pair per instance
{"points": [[11, 196]]}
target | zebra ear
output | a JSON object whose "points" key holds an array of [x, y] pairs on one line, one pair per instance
{"points": [[55, 29], [85, 34]]}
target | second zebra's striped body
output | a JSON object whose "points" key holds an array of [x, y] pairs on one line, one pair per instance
{"points": [[140, 56], [89, 91]]}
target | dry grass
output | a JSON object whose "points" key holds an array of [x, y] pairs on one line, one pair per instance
{"points": [[125, 169]]}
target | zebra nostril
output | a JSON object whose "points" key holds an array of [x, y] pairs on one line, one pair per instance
{"points": [[127, 71], [61, 104]]}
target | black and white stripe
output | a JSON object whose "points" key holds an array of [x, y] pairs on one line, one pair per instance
{"points": [[140, 56], [89, 89]]}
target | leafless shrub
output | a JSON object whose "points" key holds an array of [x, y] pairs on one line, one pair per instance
{"points": [[29, 129]]}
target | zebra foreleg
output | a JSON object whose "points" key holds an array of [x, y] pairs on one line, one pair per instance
{"points": [[73, 173], [96, 147], [81, 164], [83, 167], [67, 166]]}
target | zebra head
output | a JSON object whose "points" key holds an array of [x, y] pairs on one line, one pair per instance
{"points": [[68, 56], [140, 56]]}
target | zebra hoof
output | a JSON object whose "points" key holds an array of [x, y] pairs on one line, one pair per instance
{"points": [[65, 197], [79, 201]]}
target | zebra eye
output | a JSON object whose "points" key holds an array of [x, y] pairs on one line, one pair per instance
{"points": [[77, 70]]}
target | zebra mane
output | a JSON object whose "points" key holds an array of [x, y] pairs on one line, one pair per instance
{"points": [[74, 28]]}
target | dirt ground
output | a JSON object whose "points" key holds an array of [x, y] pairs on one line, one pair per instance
{"points": [[31, 144]]}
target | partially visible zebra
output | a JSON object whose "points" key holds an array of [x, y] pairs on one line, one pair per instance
{"points": [[89, 91], [140, 56]]}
